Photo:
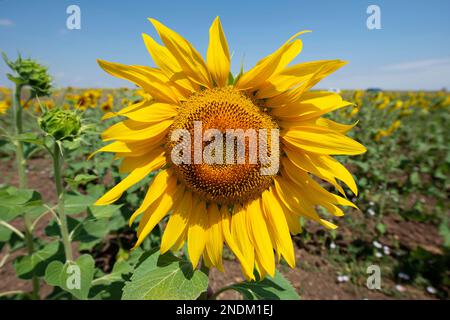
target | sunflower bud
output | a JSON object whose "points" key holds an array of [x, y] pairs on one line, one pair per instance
{"points": [[61, 124], [28, 72]]}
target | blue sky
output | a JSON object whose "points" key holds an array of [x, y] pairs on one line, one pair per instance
{"points": [[411, 51]]}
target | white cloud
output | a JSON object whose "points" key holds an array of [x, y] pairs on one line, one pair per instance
{"points": [[6, 23], [417, 65], [427, 74]]}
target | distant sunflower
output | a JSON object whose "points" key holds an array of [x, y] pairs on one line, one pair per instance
{"points": [[108, 104], [4, 106], [212, 204]]}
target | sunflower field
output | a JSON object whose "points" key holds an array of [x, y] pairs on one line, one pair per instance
{"points": [[78, 219]]}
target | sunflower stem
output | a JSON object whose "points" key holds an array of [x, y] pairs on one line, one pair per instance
{"points": [[57, 167], [21, 169]]}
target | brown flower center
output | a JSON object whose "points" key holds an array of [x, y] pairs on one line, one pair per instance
{"points": [[232, 177]]}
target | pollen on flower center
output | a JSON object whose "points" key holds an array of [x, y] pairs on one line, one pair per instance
{"points": [[223, 109]]}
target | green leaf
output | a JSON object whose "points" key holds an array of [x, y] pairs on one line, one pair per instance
{"points": [[15, 202], [34, 265], [381, 227], [80, 179], [444, 231], [415, 178], [29, 137], [74, 203], [82, 230], [165, 277], [278, 288], [5, 234], [73, 276], [103, 211], [120, 268]]}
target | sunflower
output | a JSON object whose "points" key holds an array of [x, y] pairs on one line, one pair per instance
{"points": [[108, 104], [210, 205], [4, 106]]}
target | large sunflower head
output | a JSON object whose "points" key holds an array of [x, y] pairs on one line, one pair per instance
{"points": [[238, 160]]}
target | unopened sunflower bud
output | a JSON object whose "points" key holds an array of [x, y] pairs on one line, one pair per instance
{"points": [[28, 72], [61, 124]]}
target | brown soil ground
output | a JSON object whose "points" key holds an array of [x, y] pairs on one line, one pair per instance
{"points": [[313, 278]]}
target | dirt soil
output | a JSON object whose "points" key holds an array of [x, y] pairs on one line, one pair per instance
{"points": [[313, 278]]}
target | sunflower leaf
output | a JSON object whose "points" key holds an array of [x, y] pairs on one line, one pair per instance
{"points": [[73, 276], [165, 277], [277, 288]]}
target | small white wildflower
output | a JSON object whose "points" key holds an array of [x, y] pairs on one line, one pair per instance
{"points": [[431, 290], [371, 212], [332, 245], [378, 254], [343, 278], [386, 250], [377, 245], [399, 288], [404, 276], [371, 203]]}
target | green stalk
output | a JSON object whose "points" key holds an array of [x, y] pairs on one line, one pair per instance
{"points": [[21, 168], [60, 191]]}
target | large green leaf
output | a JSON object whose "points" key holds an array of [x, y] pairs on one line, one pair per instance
{"points": [[34, 265], [277, 288], [74, 203], [165, 277], [29, 137], [103, 211], [15, 202], [120, 268], [73, 276], [83, 230]]}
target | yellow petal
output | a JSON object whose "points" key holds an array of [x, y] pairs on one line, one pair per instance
{"points": [[294, 95], [140, 148], [178, 222], [291, 199], [310, 105], [156, 162], [116, 146], [290, 77], [313, 191], [333, 125], [198, 224], [155, 112], [150, 83], [303, 160], [270, 65], [338, 170], [188, 58], [239, 232], [164, 181], [218, 56], [214, 242], [247, 270], [130, 163], [131, 107], [259, 235], [321, 140], [154, 214], [169, 65], [277, 225], [131, 130]]}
